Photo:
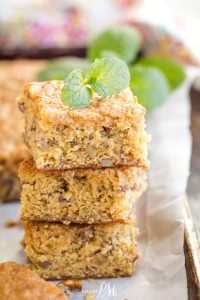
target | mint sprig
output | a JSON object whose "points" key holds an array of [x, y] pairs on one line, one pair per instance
{"points": [[107, 76]]}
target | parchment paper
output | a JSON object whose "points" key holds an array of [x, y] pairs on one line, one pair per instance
{"points": [[161, 272]]}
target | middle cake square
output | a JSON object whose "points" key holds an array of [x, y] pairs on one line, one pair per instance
{"points": [[79, 195]]}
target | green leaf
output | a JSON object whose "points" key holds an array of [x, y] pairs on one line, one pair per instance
{"points": [[124, 41], [59, 69], [108, 76], [108, 53], [99, 87], [69, 62], [150, 86], [74, 92], [173, 71], [56, 73]]}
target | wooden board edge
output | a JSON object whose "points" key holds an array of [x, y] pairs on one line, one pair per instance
{"points": [[192, 255]]}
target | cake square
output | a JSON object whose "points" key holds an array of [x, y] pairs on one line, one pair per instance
{"points": [[14, 74], [58, 251], [17, 282], [79, 195], [109, 133]]}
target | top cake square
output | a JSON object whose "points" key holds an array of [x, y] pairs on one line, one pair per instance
{"points": [[109, 133]]}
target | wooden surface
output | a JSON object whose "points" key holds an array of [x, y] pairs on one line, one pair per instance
{"points": [[193, 189], [192, 217], [192, 256]]}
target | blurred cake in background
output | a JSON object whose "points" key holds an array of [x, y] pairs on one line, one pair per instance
{"points": [[158, 40], [51, 24], [51, 28], [13, 75]]}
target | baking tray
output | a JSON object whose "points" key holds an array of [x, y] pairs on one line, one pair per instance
{"points": [[192, 255]]}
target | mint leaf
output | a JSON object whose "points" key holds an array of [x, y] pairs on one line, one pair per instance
{"points": [[108, 76], [125, 41], [58, 69], [99, 87], [149, 85], [74, 92], [173, 71]]}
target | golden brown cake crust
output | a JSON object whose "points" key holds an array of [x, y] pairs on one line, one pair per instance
{"points": [[47, 98], [19, 283]]}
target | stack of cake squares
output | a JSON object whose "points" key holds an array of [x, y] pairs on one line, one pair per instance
{"points": [[79, 188]]}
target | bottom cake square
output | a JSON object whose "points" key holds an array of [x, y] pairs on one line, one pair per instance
{"points": [[58, 251]]}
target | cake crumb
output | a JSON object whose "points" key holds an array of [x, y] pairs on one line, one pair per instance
{"points": [[71, 284], [89, 295], [12, 223], [90, 280]]}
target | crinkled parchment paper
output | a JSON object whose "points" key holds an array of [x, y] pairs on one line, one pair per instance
{"points": [[161, 271]]}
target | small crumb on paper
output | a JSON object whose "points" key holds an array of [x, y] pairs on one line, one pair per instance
{"points": [[12, 223], [71, 284], [89, 295]]}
